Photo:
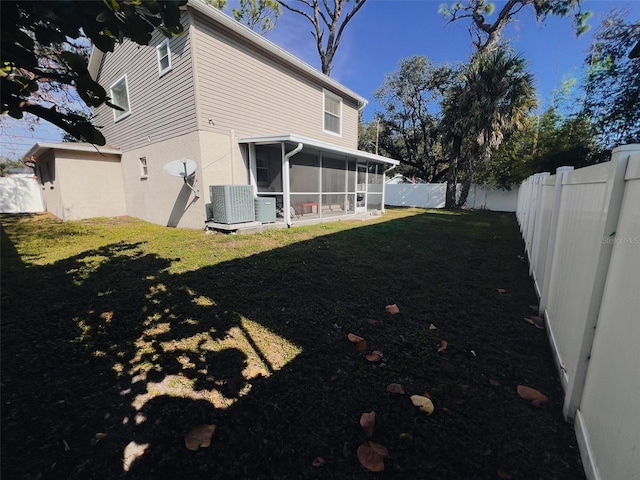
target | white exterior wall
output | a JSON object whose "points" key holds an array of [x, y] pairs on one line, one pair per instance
{"points": [[590, 298], [161, 198], [89, 185]]}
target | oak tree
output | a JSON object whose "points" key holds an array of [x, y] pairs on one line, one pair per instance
{"points": [[45, 46]]}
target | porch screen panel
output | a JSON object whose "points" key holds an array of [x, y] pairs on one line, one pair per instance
{"points": [[351, 177], [333, 175], [305, 206], [334, 204], [375, 178], [374, 201], [304, 172], [269, 168]]}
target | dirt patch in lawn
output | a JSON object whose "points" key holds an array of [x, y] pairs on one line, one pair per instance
{"points": [[112, 355]]}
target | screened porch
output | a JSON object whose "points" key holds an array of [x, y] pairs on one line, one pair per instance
{"points": [[311, 180]]}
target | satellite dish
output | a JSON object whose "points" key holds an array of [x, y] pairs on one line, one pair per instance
{"points": [[182, 167]]}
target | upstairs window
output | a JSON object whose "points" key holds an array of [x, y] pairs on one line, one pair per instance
{"points": [[120, 98], [332, 113], [164, 57]]}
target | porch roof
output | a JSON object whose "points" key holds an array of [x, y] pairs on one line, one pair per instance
{"points": [[319, 145]]}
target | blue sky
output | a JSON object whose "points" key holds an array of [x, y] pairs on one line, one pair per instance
{"points": [[386, 31]]}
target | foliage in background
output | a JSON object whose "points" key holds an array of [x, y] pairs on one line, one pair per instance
{"points": [[612, 84], [493, 100], [328, 23], [411, 116], [486, 28], [43, 51], [258, 15], [8, 163]]}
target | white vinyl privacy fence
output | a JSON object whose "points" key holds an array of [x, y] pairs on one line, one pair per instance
{"points": [[432, 195], [20, 195], [582, 236]]}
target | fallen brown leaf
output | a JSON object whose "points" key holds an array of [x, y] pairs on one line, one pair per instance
{"points": [[538, 322], [368, 422], [395, 388], [199, 436], [493, 382], [374, 356], [359, 343], [371, 456], [318, 462], [372, 321], [537, 398], [392, 309], [423, 403], [432, 327], [353, 338], [501, 290], [443, 346]]}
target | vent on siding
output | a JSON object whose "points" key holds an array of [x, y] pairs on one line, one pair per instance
{"points": [[232, 203]]}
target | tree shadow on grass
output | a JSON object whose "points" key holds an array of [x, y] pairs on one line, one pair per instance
{"points": [[113, 348]]}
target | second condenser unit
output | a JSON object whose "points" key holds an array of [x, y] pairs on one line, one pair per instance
{"points": [[265, 209]]}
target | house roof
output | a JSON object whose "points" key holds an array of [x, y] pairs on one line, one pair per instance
{"points": [[326, 147], [260, 43], [39, 148]]}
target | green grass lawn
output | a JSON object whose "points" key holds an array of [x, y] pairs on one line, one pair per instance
{"points": [[119, 336]]}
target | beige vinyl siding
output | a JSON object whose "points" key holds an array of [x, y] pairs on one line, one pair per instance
{"points": [[250, 93], [161, 107]]}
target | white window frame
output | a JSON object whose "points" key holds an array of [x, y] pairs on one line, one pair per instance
{"points": [[144, 167], [332, 96], [162, 71], [117, 114]]}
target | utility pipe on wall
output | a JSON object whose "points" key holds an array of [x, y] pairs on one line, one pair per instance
{"points": [[285, 181]]}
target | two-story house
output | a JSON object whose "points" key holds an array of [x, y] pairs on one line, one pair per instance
{"points": [[235, 108]]}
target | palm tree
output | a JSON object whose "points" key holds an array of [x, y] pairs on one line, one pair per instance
{"points": [[493, 99]]}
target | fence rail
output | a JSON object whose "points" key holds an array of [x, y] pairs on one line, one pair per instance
{"points": [[581, 230]]}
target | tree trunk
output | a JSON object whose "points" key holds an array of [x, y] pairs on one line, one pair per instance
{"points": [[466, 186], [452, 178]]}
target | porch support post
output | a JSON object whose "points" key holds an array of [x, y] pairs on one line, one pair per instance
{"points": [[253, 172], [286, 187], [384, 185]]}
